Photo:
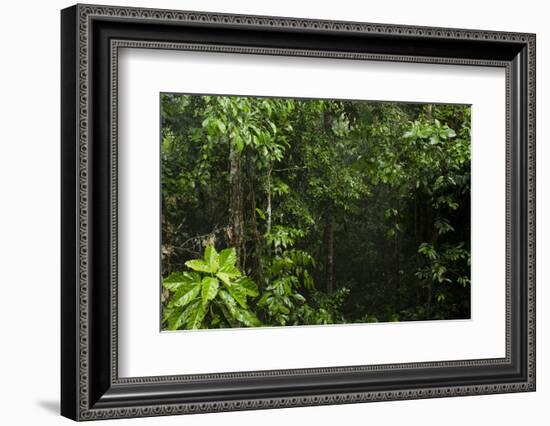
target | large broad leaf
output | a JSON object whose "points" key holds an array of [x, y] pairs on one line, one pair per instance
{"points": [[250, 287], [265, 298], [194, 320], [228, 301], [210, 287], [241, 315], [183, 298], [238, 293], [228, 258], [178, 279], [166, 313], [212, 258], [199, 265], [229, 275], [228, 271], [178, 317], [248, 318], [186, 314], [172, 317], [231, 321]]}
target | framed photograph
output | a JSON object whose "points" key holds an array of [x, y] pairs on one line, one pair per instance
{"points": [[263, 212]]}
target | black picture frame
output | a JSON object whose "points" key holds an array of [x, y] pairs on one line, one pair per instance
{"points": [[90, 386]]}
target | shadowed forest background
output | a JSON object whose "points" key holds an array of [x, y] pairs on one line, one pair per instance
{"points": [[301, 212]]}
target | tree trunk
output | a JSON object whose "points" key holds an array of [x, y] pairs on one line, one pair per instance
{"points": [[429, 235], [329, 252], [329, 219], [429, 111], [236, 216], [268, 210], [253, 237], [397, 275]]}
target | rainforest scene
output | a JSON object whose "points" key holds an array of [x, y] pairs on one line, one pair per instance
{"points": [[293, 212]]}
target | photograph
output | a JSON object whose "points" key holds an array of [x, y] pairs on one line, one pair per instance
{"points": [[306, 212]]}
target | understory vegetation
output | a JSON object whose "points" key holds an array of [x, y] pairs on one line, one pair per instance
{"points": [[279, 212]]}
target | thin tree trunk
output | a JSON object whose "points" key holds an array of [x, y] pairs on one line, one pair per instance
{"points": [[429, 303], [253, 237], [268, 209], [430, 235], [429, 111], [329, 219], [236, 216], [258, 252], [329, 252], [397, 275]]}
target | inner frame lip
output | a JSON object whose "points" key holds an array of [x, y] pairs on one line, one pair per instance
{"points": [[116, 44]]}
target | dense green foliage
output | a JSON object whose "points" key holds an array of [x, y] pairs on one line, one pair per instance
{"points": [[322, 211], [198, 295]]}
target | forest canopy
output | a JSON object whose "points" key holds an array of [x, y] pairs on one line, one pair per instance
{"points": [[280, 211]]}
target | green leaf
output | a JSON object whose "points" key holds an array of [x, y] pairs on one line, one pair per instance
{"points": [[299, 297], [199, 265], [187, 296], [238, 143], [178, 317], [248, 318], [227, 259], [167, 312], [196, 316], [428, 251], [215, 321], [238, 293], [173, 319], [260, 213], [221, 125], [233, 323], [249, 286], [212, 258], [265, 298], [244, 316], [227, 278], [210, 287], [228, 301], [177, 279]]}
